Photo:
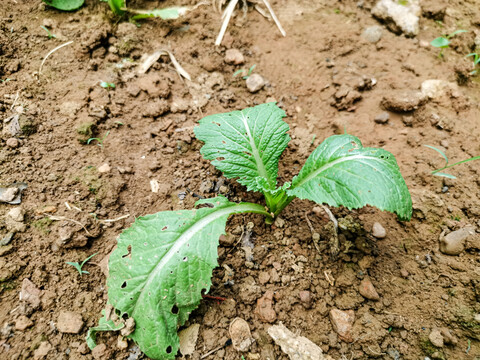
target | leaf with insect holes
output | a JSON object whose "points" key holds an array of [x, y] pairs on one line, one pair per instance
{"points": [[65, 5], [440, 42], [246, 144], [340, 171], [160, 267]]}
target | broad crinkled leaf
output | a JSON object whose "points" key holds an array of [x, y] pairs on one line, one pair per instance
{"points": [[342, 172], [65, 5], [160, 267], [245, 144]]}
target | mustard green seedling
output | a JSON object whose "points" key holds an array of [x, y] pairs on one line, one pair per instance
{"points": [[443, 42], [163, 263], [65, 5]]}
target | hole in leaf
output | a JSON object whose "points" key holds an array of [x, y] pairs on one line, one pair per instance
{"points": [[168, 350], [124, 285], [129, 249], [174, 309], [124, 316], [185, 259]]}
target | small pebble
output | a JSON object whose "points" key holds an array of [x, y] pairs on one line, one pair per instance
{"points": [[22, 323], [342, 322], [255, 83], [454, 242], [12, 143], [372, 34], [105, 168], [234, 56], [306, 298], [404, 273], [367, 290], [382, 118], [378, 231]]}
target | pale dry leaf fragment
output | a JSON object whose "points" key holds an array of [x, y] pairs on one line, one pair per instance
{"points": [[149, 60], [188, 339], [154, 185], [295, 346], [240, 334]]}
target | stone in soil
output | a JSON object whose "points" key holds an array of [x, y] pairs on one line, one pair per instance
{"points": [[435, 89], [69, 322], [12, 143], [9, 194], [382, 118], [436, 337], [454, 242], [234, 56], [342, 322], [16, 214], [264, 308], [306, 298], [240, 334], [99, 352], [30, 293], [255, 83], [400, 18], [367, 290], [42, 351], [403, 100], [105, 168], [372, 34], [378, 231], [22, 323]]}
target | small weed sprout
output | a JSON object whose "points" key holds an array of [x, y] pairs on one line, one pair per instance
{"points": [[49, 34], [107, 85], [438, 172], [476, 61], [443, 42], [79, 266], [245, 71], [99, 140]]}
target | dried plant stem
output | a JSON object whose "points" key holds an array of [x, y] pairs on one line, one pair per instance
{"points": [[50, 53], [277, 22], [227, 14]]}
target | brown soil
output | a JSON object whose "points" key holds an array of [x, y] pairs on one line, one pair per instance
{"points": [[149, 120]]}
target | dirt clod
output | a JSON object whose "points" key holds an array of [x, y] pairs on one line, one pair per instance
{"points": [[22, 323], [234, 56], [454, 242], [342, 322], [69, 322], [264, 308]]}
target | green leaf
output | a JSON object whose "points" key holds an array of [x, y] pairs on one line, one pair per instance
{"points": [[342, 172], [160, 267], [117, 6], [440, 42], [65, 5], [456, 32], [103, 325], [246, 144], [439, 151], [166, 13], [444, 175]]}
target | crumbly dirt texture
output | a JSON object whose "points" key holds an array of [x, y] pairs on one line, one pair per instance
{"points": [[407, 299]]}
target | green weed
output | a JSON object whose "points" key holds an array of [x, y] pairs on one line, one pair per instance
{"points": [[99, 140], [438, 172], [49, 34], [243, 71], [476, 61], [79, 266], [443, 42]]}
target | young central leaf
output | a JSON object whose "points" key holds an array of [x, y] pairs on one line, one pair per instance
{"points": [[246, 144], [160, 267], [342, 172]]}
